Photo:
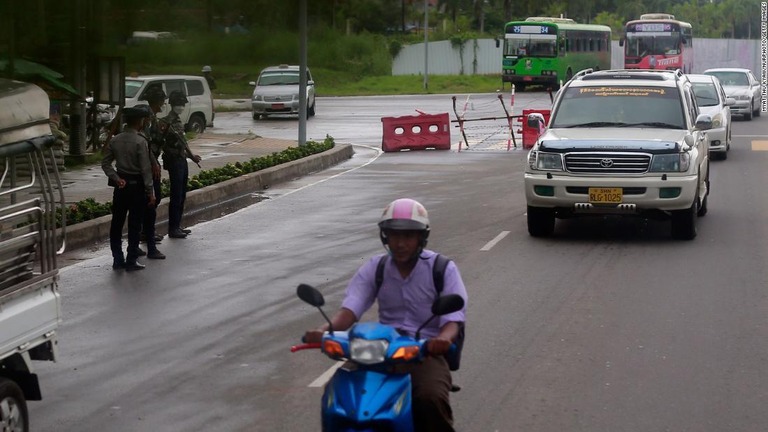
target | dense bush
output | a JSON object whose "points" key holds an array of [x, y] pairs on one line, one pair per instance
{"points": [[88, 208]]}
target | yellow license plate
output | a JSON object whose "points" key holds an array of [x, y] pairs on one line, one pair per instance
{"points": [[605, 195]]}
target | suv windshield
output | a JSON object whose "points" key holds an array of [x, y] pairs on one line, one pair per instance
{"points": [[620, 106], [279, 78]]}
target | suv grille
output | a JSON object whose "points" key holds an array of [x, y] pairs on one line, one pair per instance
{"points": [[607, 163]]}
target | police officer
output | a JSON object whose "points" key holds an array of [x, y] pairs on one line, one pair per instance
{"points": [[132, 179], [155, 97], [209, 77], [175, 153]]}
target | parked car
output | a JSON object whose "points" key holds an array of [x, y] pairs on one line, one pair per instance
{"points": [[740, 84], [198, 113], [711, 98], [277, 92], [624, 143]]}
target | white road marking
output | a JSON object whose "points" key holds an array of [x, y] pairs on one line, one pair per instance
{"points": [[493, 242], [326, 376]]}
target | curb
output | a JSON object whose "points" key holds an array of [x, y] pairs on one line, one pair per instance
{"points": [[216, 200]]}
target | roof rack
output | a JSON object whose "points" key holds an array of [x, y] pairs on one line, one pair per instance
{"points": [[644, 74]]}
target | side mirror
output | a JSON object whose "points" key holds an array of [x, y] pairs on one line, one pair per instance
{"points": [[535, 120], [310, 295], [621, 42], [729, 101], [310, 82], [252, 83], [447, 304], [703, 122]]}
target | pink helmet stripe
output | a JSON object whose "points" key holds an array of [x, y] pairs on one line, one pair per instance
{"points": [[403, 209]]}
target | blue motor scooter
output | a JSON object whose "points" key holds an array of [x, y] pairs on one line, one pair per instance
{"points": [[366, 394]]}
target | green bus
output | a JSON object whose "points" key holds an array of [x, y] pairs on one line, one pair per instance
{"points": [[547, 51]]}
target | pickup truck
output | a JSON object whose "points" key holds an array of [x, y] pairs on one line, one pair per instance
{"points": [[30, 194]]}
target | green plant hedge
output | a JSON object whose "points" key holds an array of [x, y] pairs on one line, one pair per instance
{"points": [[88, 208]]}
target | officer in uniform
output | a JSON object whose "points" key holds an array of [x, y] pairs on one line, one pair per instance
{"points": [[175, 153], [209, 77], [155, 97], [131, 176]]}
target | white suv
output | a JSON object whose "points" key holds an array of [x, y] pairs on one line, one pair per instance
{"points": [[198, 113], [627, 142]]}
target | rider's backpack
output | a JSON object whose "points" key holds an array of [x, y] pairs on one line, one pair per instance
{"points": [[438, 271]]}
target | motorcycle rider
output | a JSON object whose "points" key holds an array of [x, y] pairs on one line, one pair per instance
{"points": [[405, 301]]}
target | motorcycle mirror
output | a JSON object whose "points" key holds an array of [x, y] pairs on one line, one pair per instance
{"points": [[447, 304], [310, 295]]}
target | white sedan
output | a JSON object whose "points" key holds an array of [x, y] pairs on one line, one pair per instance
{"points": [[711, 99], [741, 85]]}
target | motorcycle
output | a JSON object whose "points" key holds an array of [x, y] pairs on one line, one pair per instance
{"points": [[367, 394], [98, 122]]}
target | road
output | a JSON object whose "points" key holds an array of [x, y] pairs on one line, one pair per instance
{"points": [[608, 325]]}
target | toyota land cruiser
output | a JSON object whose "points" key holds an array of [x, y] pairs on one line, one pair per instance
{"points": [[626, 142]]}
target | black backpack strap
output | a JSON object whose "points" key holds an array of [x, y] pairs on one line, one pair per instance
{"points": [[438, 272], [380, 273]]}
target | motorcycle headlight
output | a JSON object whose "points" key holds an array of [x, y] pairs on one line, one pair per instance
{"points": [[678, 162], [368, 352], [545, 161]]}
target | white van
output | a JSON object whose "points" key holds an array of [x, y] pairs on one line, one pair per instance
{"points": [[198, 113]]}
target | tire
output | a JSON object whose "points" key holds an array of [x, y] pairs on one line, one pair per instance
{"points": [[703, 208], [541, 221], [13, 407], [756, 112], [256, 116], [748, 116], [684, 223], [196, 123], [311, 110]]}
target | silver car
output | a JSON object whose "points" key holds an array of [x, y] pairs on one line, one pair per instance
{"points": [[711, 99], [741, 85], [277, 92]]}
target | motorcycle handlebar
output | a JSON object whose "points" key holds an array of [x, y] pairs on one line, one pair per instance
{"points": [[305, 346]]}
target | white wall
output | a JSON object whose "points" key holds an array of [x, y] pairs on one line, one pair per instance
{"points": [[482, 57]]}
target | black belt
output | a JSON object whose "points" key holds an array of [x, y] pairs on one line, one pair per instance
{"points": [[131, 179]]}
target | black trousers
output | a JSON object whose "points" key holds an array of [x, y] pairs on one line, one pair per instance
{"points": [[178, 174], [150, 217], [129, 202]]}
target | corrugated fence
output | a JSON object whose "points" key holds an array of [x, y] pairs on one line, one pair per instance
{"points": [[482, 57]]}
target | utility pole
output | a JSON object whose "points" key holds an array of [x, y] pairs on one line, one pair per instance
{"points": [[426, 44], [302, 72]]}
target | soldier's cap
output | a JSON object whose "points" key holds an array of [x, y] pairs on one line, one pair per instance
{"points": [[135, 112]]}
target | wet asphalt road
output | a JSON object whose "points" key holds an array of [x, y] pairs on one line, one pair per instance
{"points": [[609, 325]]}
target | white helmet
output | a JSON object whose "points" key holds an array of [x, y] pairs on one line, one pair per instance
{"points": [[206, 68]]}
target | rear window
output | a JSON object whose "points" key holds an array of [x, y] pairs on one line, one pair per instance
{"points": [[195, 88], [619, 106]]}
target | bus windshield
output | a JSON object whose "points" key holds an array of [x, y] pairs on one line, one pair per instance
{"points": [[652, 38], [531, 45]]}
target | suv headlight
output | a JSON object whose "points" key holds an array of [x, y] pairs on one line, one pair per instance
{"points": [[367, 352], [677, 162], [741, 97], [545, 161]]}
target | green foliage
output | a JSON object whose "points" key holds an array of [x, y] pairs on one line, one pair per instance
{"points": [[84, 210], [88, 208]]}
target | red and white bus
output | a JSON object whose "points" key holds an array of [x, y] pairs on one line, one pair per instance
{"points": [[658, 41]]}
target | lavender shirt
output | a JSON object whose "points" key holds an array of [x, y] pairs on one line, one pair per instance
{"points": [[405, 303]]}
